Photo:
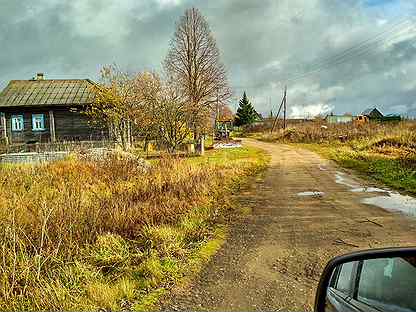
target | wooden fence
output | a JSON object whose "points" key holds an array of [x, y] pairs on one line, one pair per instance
{"points": [[66, 146], [32, 157]]}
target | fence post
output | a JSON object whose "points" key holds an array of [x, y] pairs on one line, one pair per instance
{"points": [[202, 145], [4, 126], [52, 126]]}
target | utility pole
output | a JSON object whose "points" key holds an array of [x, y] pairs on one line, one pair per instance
{"points": [[278, 112], [303, 111], [284, 108]]}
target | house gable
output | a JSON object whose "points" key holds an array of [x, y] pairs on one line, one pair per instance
{"points": [[373, 113]]}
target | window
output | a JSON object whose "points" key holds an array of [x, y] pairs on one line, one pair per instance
{"points": [[388, 284], [38, 122], [17, 122], [344, 282]]}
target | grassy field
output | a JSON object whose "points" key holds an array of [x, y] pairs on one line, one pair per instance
{"points": [[79, 235], [382, 152]]}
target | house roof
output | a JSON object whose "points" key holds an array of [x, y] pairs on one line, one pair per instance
{"points": [[368, 111], [339, 117], [51, 92], [333, 115]]}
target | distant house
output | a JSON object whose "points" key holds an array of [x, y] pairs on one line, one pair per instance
{"points": [[372, 113], [333, 119], [41, 110], [392, 117]]}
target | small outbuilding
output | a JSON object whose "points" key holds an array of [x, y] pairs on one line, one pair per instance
{"points": [[41, 110], [334, 119]]}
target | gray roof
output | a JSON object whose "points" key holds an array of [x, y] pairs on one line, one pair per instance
{"points": [[49, 92], [369, 110]]}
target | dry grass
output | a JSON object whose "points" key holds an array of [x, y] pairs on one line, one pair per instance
{"points": [[320, 132], [397, 140], [79, 235], [385, 152]]}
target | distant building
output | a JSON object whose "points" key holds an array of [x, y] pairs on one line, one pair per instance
{"points": [[372, 113], [41, 110], [392, 117], [334, 119]]}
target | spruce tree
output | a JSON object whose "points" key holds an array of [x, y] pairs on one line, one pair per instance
{"points": [[246, 114]]}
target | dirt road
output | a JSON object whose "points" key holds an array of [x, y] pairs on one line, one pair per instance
{"points": [[279, 243]]}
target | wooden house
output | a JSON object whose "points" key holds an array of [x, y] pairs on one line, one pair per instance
{"points": [[372, 113], [41, 110]]}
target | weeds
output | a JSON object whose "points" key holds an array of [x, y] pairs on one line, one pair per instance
{"points": [[320, 132], [385, 152], [79, 235]]}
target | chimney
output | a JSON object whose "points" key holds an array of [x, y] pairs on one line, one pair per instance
{"points": [[39, 76]]}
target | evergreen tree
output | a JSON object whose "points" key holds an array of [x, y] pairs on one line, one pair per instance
{"points": [[246, 114]]}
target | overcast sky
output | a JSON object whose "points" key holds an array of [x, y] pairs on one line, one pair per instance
{"points": [[334, 55]]}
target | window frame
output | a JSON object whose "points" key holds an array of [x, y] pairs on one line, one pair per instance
{"points": [[353, 281], [349, 299], [21, 119], [37, 115]]}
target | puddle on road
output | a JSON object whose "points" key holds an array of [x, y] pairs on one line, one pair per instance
{"points": [[314, 194], [342, 178], [394, 202], [390, 200], [368, 190], [322, 168]]}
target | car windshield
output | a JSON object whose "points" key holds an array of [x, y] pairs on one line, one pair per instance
{"points": [[205, 155]]}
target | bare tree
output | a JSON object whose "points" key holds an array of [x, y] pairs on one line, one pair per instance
{"points": [[147, 89], [144, 101], [193, 65], [160, 112], [173, 120]]}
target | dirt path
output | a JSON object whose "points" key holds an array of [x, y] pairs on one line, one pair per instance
{"points": [[277, 248]]}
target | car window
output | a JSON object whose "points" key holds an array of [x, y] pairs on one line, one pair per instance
{"points": [[388, 283], [345, 277]]}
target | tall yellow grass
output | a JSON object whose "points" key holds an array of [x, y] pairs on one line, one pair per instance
{"points": [[320, 132], [85, 235], [384, 152]]}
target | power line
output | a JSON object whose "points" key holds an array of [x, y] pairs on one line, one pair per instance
{"points": [[363, 44], [349, 57], [349, 54]]}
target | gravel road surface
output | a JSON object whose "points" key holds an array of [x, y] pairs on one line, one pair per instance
{"points": [[301, 213]]}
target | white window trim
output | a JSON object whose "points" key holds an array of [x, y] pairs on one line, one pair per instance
{"points": [[34, 116], [22, 124]]}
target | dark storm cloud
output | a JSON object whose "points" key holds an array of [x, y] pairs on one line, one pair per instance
{"points": [[263, 43], [77, 37]]}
